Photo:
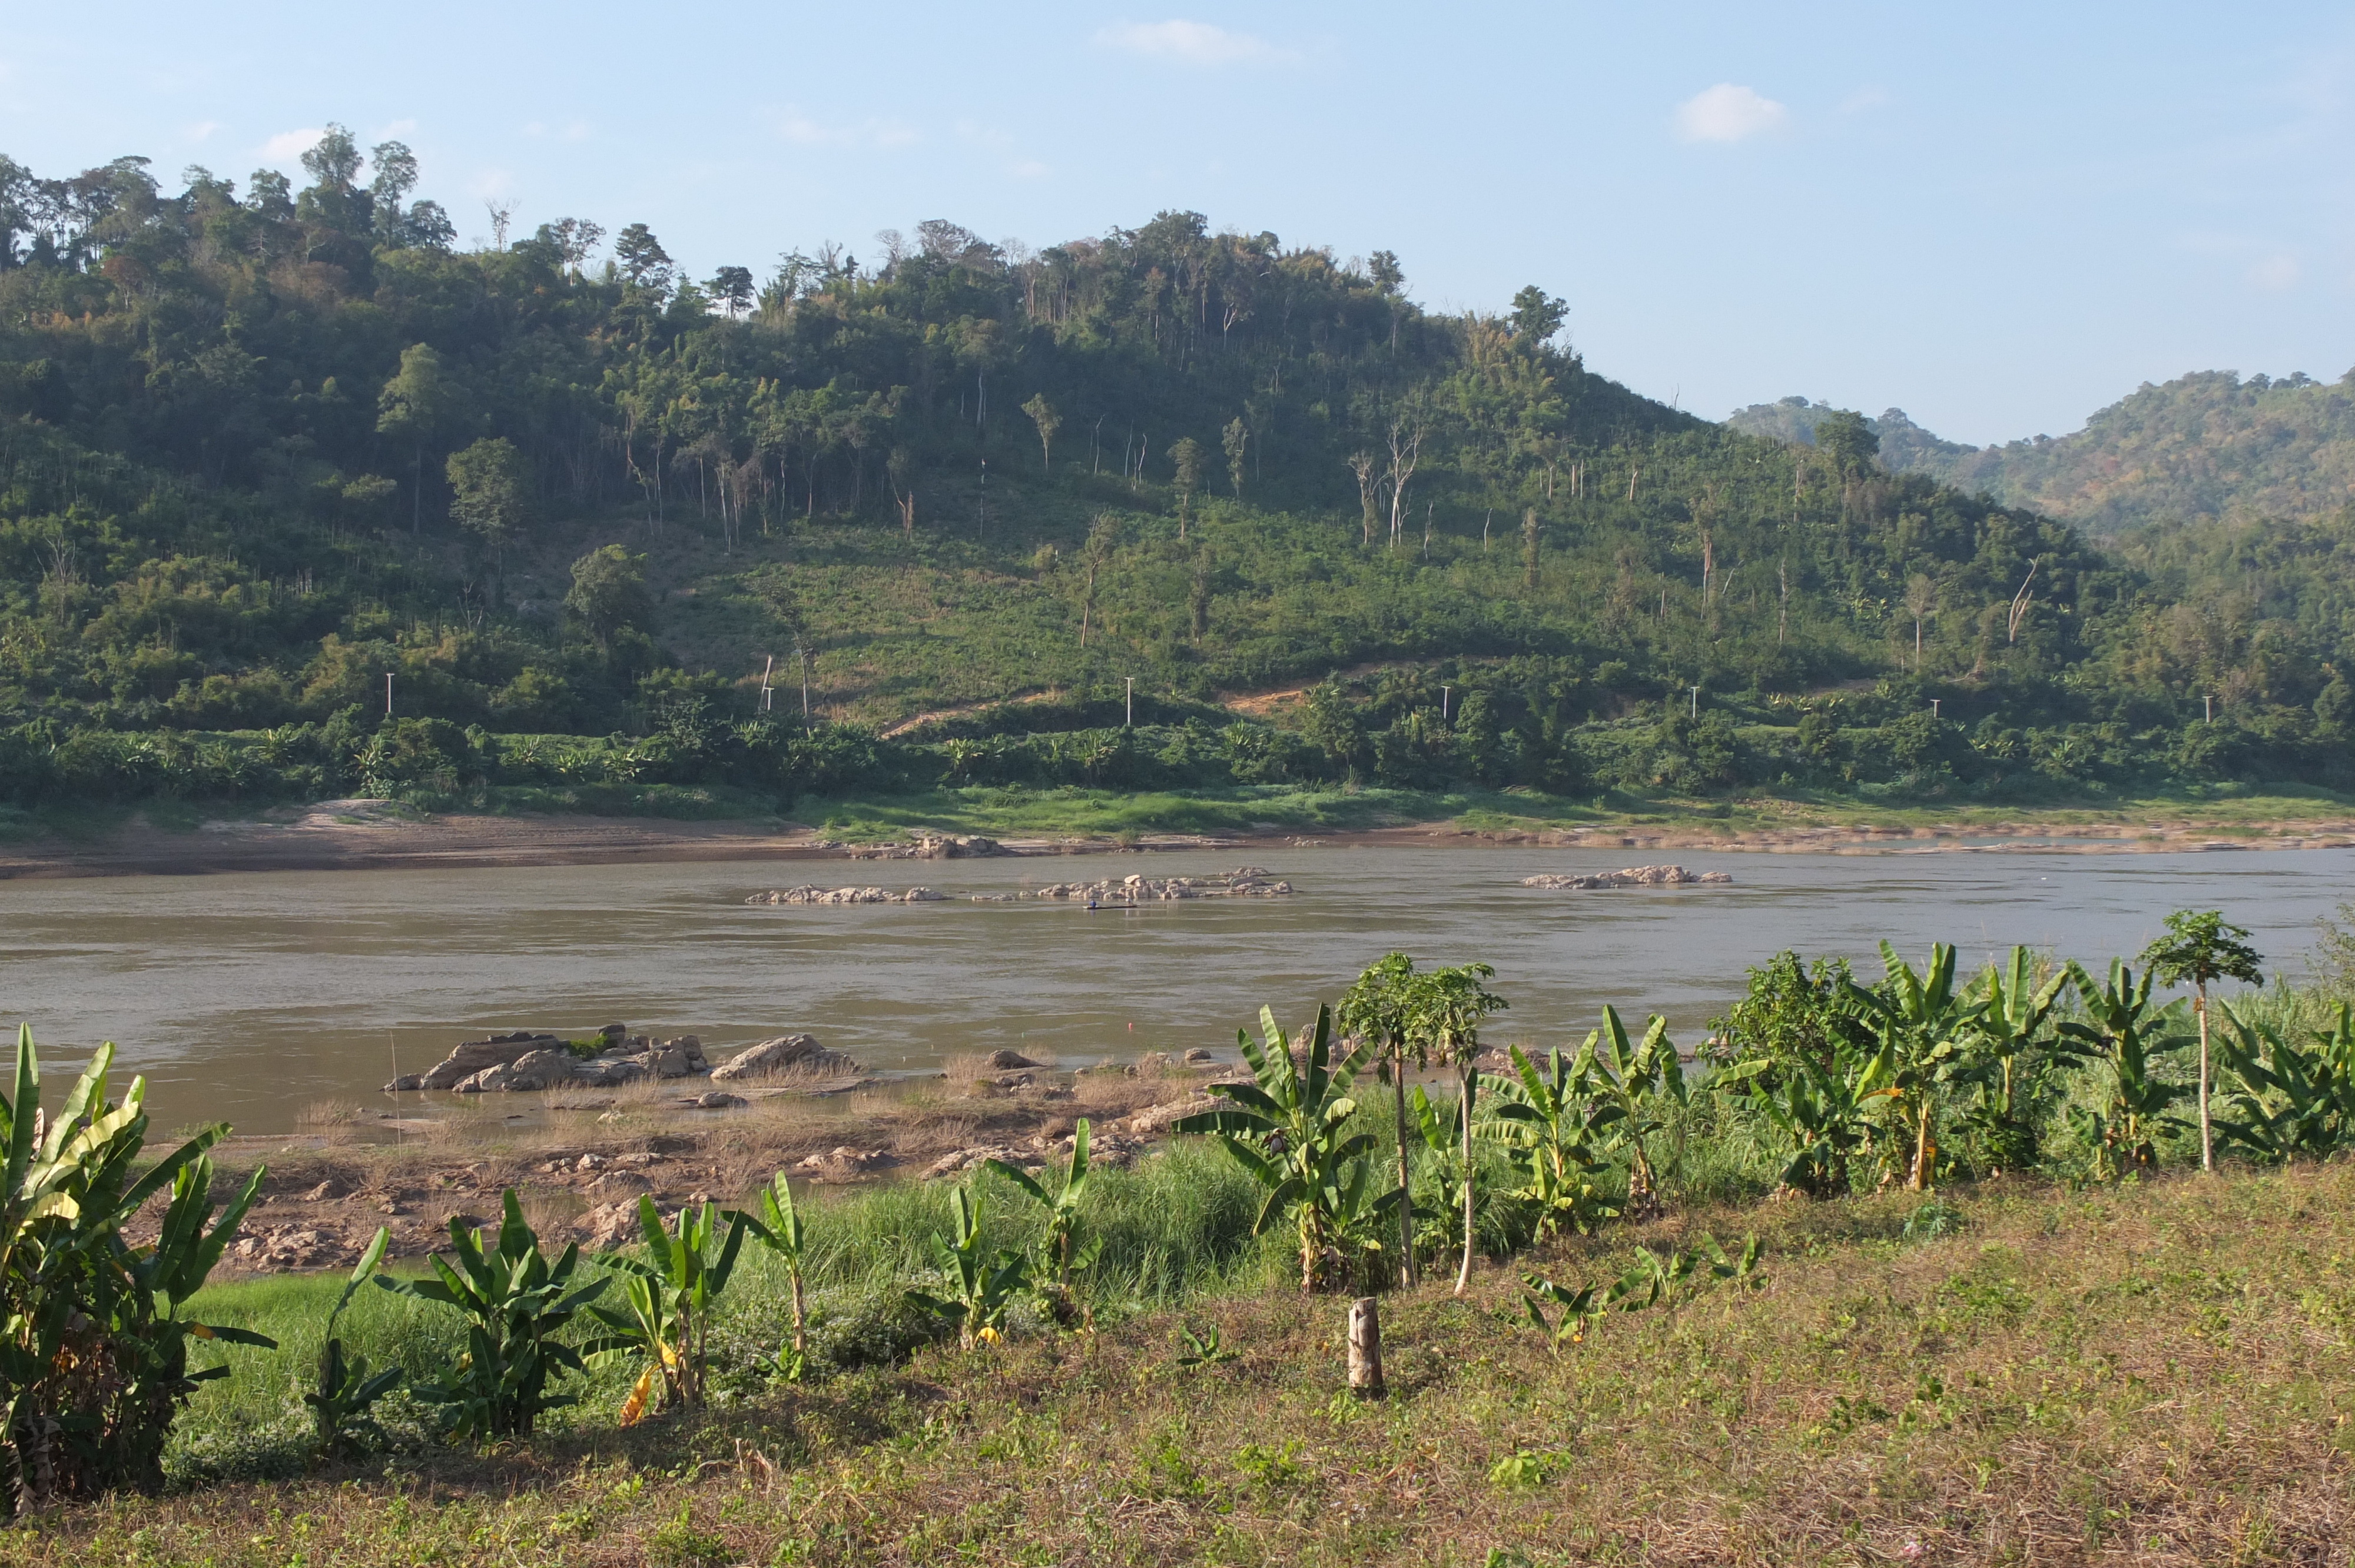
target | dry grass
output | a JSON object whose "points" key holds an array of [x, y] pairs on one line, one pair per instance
{"points": [[2162, 1375]]}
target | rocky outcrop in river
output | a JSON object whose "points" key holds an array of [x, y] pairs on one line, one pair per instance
{"points": [[508, 1064], [809, 894], [1631, 877], [933, 846], [1246, 881]]}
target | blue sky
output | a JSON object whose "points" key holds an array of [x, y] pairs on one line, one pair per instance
{"points": [[1998, 217]]}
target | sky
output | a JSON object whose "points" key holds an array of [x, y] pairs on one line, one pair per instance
{"points": [[1998, 217]]}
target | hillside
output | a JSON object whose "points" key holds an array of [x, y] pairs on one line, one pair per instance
{"points": [[2208, 447], [268, 455]]}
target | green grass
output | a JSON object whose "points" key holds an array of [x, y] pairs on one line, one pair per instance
{"points": [[2163, 1373]]}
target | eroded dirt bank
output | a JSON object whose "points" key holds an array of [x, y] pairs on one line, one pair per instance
{"points": [[355, 835]]}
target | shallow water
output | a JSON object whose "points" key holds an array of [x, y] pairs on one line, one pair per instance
{"points": [[251, 997]]}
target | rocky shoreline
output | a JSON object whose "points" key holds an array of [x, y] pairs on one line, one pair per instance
{"points": [[527, 1061], [1630, 876]]}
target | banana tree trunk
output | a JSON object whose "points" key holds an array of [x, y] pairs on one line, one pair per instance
{"points": [[1926, 1150]]}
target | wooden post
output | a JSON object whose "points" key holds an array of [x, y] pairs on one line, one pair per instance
{"points": [[1365, 1349]]}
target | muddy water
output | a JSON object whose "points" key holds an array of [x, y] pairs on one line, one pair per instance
{"points": [[251, 997]]}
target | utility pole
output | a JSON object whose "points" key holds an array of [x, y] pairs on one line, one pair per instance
{"points": [[1443, 689], [1129, 718], [1934, 707], [2209, 702], [767, 670], [1696, 702], [803, 654], [387, 693]]}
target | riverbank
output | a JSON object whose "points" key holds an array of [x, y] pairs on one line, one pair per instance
{"points": [[354, 836], [2015, 1373], [581, 1156]]}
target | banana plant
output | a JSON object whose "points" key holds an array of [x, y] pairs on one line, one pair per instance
{"points": [[1575, 1311], [346, 1393], [1661, 1278], [516, 1304], [778, 1227], [980, 1290], [671, 1295], [1929, 1033], [2120, 1033], [2288, 1102], [1822, 1110], [1633, 1086], [1059, 1249], [1443, 1163], [1289, 1129], [2015, 1015], [75, 1295], [1545, 1118]]}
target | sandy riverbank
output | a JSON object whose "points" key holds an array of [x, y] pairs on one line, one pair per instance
{"points": [[351, 835]]}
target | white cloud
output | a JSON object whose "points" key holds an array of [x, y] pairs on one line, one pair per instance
{"points": [[291, 144], [803, 132], [2277, 272], [1728, 113], [1190, 43]]}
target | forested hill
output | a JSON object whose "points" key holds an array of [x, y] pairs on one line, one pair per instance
{"points": [[2203, 447], [263, 447]]}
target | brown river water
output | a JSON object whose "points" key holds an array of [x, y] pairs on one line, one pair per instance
{"points": [[249, 998]]}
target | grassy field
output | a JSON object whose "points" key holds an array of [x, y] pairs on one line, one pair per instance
{"points": [[2163, 1373]]}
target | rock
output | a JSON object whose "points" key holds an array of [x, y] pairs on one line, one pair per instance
{"points": [[841, 1164], [768, 1056], [966, 1159], [287, 1247], [541, 1069], [615, 1182], [1250, 882], [810, 893], [591, 1162], [1155, 1119], [1007, 1061], [405, 1083], [718, 1100], [1630, 876], [614, 1034], [1197, 1057], [609, 1227], [323, 1192], [498, 1051]]}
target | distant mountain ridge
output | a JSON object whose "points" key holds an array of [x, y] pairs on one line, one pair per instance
{"points": [[2206, 446]]}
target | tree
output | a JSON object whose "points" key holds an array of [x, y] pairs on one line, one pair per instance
{"points": [[643, 262], [1537, 316], [413, 407], [1847, 440], [2200, 948], [1445, 1007], [609, 592], [1235, 439], [732, 287], [1042, 414], [489, 484], [1379, 1010], [1530, 542], [1921, 603], [1186, 458]]}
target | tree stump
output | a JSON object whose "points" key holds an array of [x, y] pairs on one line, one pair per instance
{"points": [[1365, 1349]]}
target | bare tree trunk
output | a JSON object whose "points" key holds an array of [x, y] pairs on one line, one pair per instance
{"points": [[1464, 1275], [1365, 1349]]}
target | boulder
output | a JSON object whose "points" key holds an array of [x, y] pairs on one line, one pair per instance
{"points": [[773, 1056], [541, 1069], [1628, 876], [1155, 1119], [609, 1227], [718, 1100], [472, 1057], [1007, 1061]]}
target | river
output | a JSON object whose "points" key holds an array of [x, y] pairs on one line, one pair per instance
{"points": [[249, 998]]}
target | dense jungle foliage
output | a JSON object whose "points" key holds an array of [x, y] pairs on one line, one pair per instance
{"points": [[275, 461], [2202, 447]]}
